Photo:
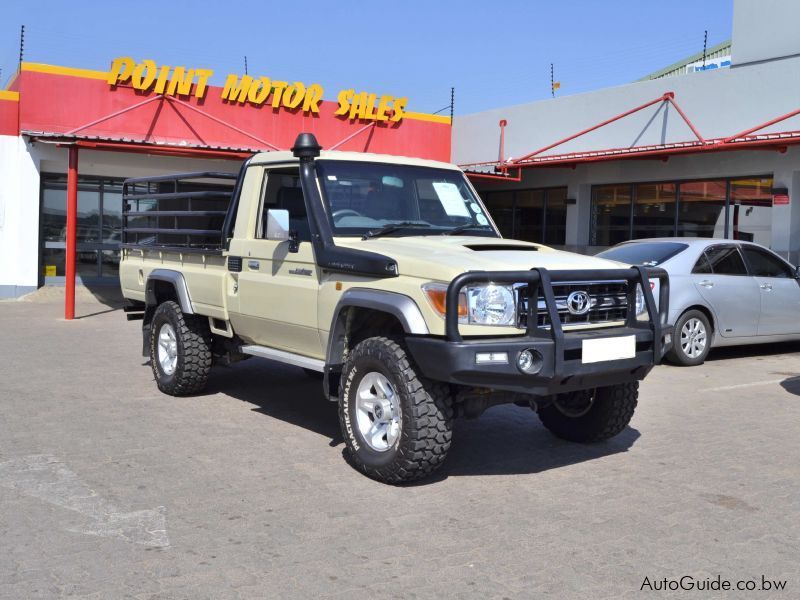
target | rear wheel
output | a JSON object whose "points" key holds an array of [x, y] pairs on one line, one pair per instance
{"points": [[591, 415], [180, 350], [396, 424], [692, 339]]}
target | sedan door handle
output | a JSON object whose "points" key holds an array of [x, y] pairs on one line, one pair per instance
{"points": [[253, 265], [707, 284], [767, 287]]}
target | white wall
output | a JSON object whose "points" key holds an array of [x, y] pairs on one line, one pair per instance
{"points": [[764, 30], [19, 218]]}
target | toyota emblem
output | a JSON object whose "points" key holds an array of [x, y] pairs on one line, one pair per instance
{"points": [[578, 303]]}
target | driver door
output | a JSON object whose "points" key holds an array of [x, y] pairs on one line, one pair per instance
{"points": [[278, 288]]}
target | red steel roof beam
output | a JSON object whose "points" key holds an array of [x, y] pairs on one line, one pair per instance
{"points": [[663, 98], [221, 122], [671, 100], [769, 123], [475, 175]]}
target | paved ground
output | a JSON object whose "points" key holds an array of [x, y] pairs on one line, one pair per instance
{"points": [[109, 489]]}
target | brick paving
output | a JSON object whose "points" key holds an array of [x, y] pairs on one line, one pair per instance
{"points": [[111, 490]]}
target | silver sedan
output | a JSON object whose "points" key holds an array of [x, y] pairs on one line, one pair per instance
{"points": [[722, 292]]}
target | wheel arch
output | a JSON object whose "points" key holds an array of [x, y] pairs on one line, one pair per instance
{"points": [[166, 284], [163, 285], [361, 312]]}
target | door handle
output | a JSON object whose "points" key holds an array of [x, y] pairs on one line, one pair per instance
{"points": [[767, 287], [253, 265], [707, 284]]}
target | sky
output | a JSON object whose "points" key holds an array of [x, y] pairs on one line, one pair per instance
{"points": [[494, 53]]}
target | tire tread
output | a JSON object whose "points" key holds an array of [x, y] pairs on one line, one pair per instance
{"points": [[194, 338], [427, 432]]}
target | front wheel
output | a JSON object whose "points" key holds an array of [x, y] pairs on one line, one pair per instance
{"points": [[692, 339], [397, 425], [591, 415]]}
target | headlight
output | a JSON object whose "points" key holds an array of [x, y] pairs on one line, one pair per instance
{"points": [[491, 305], [486, 304], [640, 304]]}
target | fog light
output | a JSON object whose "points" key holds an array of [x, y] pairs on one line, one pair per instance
{"points": [[530, 361], [491, 358]]}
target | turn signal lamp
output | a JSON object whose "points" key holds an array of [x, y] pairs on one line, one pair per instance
{"points": [[436, 293]]}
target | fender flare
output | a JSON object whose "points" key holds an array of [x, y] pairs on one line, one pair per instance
{"points": [[174, 278], [398, 305]]}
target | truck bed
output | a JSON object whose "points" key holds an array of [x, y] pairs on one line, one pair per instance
{"points": [[185, 212], [177, 222]]}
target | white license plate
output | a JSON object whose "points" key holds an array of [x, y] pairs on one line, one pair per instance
{"points": [[603, 349]]}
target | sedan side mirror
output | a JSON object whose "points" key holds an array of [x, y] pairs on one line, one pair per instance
{"points": [[797, 271]]}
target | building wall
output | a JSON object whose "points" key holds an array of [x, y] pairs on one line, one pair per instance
{"points": [[784, 167], [720, 103], [19, 217], [764, 30]]}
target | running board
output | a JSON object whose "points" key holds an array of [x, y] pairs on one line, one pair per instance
{"points": [[297, 360]]}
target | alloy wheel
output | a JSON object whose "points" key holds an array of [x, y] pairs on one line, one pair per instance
{"points": [[693, 338], [378, 412]]}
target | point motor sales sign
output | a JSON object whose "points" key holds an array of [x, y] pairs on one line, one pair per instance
{"points": [[147, 76]]}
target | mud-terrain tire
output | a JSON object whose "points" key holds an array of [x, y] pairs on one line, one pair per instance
{"points": [[690, 328], [610, 412], [184, 344], [417, 445]]}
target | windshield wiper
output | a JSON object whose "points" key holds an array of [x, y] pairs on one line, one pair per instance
{"points": [[462, 229], [392, 227]]}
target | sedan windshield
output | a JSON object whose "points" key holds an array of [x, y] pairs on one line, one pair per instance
{"points": [[649, 254], [376, 199]]}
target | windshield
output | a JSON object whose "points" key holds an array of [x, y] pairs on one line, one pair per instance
{"points": [[367, 198], [649, 254]]}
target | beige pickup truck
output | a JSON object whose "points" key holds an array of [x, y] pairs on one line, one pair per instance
{"points": [[386, 277]]}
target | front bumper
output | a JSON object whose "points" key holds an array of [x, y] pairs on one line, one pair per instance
{"points": [[565, 371], [453, 359]]}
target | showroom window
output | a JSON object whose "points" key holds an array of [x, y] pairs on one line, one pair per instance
{"points": [[737, 208], [536, 215], [749, 214], [654, 210], [611, 214], [98, 231]]}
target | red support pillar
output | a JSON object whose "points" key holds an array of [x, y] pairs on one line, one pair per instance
{"points": [[72, 233]]}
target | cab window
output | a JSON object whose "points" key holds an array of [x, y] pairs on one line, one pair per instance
{"points": [[721, 260], [764, 264], [281, 189]]}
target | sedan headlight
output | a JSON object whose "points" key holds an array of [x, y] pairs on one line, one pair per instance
{"points": [[640, 303], [485, 304]]}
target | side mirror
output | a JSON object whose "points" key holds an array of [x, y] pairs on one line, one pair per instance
{"points": [[278, 228], [797, 271], [278, 224]]}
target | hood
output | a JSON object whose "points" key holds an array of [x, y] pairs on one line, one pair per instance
{"points": [[441, 258]]}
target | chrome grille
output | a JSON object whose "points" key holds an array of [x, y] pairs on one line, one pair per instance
{"points": [[608, 302]]}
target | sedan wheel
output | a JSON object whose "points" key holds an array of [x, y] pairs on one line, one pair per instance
{"points": [[692, 339]]}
